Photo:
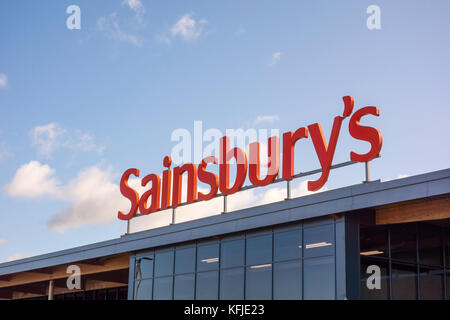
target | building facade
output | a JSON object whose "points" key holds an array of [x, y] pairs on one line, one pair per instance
{"points": [[377, 240]]}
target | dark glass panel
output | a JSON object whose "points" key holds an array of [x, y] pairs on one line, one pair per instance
{"points": [[232, 253], [232, 284], [258, 282], [111, 294], [431, 283], [287, 245], [319, 241], [208, 257], [100, 295], [403, 242], [430, 245], [369, 292], [373, 241], [207, 287], [185, 260], [79, 296], [287, 280], [163, 288], [184, 287], [90, 295], [123, 293], [144, 267], [143, 289], [259, 249], [163, 263], [319, 278], [404, 281]]}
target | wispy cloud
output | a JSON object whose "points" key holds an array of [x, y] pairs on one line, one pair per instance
{"points": [[111, 29], [240, 30], [93, 196], [135, 5], [186, 28], [51, 137], [3, 81], [17, 256], [33, 180], [275, 58], [266, 119], [138, 8], [3, 241]]}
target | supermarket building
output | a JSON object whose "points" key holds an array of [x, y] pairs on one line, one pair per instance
{"points": [[317, 246]]}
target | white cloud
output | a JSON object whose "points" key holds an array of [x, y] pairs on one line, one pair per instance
{"points": [[135, 5], [94, 197], [95, 200], [50, 137], [112, 30], [269, 118], [17, 256], [3, 81], [275, 58], [33, 180], [240, 30], [3, 241], [138, 8], [188, 28]]}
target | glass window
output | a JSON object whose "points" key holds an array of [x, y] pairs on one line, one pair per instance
{"points": [[448, 284], [208, 257], [144, 267], [259, 249], [207, 285], [163, 263], [431, 283], [287, 280], [369, 291], [430, 249], [404, 281], [287, 245], [319, 283], [232, 253], [319, 241], [373, 241], [447, 252], [258, 282], [143, 289], [185, 260], [184, 287], [403, 242], [232, 284], [163, 288]]}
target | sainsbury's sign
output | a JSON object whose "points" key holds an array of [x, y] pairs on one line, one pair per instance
{"points": [[167, 194]]}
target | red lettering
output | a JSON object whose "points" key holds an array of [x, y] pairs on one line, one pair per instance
{"points": [[369, 134], [191, 170], [154, 192], [224, 167], [209, 178], [129, 193], [273, 163], [289, 140]]}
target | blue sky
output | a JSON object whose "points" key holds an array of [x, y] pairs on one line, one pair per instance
{"points": [[79, 107]]}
